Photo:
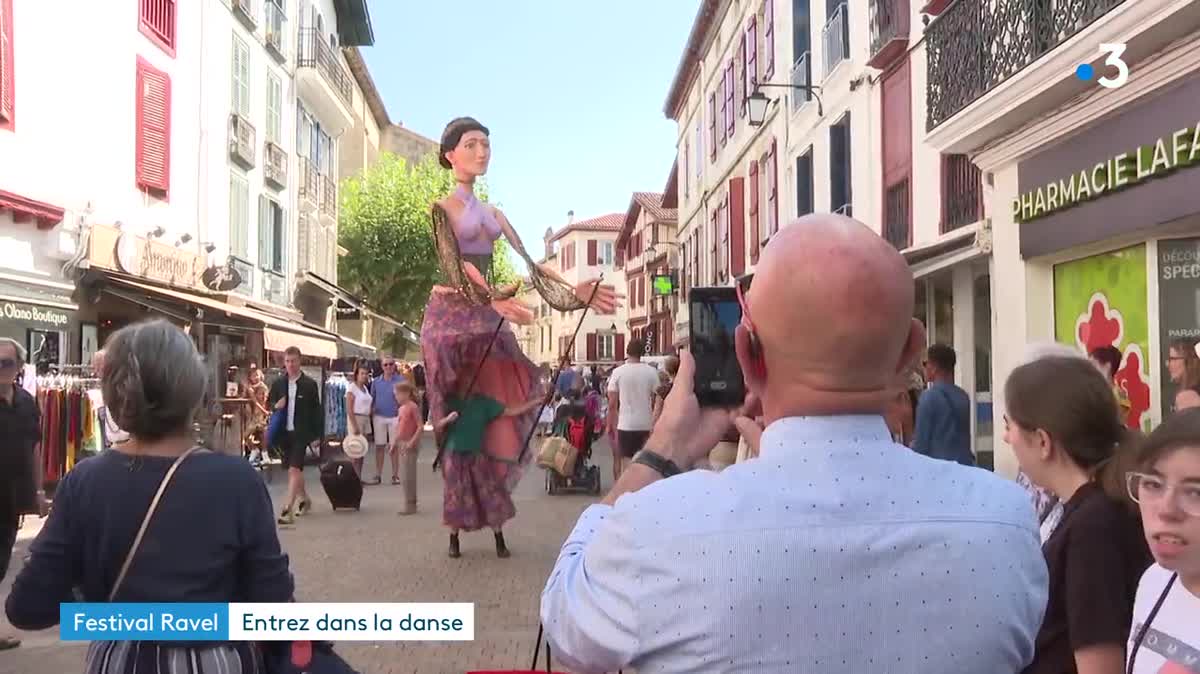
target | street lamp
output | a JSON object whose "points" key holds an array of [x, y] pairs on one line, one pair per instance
{"points": [[758, 102], [651, 253]]}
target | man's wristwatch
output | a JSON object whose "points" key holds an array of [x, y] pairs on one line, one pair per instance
{"points": [[658, 462]]}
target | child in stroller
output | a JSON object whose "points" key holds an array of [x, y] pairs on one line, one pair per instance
{"points": [[573, 422]]}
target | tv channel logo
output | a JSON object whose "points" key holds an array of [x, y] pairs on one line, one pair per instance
{"points": [[1114, 52]]}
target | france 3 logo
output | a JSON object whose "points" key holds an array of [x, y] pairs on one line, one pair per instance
{"points": [[1114, 51]]}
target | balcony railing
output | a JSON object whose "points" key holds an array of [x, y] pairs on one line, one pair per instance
{"points": [[275, 31], [274, 164], [962, 192], [329, 200], [315, 52], [976, 45], [889, 31], [835, 38], [896, 226], [241, 140], [802, 77], [310, 182]]}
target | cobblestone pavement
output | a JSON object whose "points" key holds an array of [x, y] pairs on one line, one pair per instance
{"points": [[378, 556]]}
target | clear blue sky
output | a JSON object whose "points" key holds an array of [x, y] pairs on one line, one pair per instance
{"points": [[572, 93]]}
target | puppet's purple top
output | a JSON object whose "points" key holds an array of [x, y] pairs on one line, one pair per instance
{"points": [[476, 229]]}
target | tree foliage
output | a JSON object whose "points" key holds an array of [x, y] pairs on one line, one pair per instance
{"points": [[386, 227]]}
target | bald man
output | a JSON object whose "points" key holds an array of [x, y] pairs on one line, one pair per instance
{"points": [[836, 550]]}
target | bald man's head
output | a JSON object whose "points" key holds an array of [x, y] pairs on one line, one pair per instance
{"points": [[832, 304]]}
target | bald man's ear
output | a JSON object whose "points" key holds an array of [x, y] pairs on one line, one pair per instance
{"points": [[754, 372], [914, 349]]}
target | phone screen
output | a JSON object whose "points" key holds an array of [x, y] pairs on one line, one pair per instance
{"points": [[715, 315]]}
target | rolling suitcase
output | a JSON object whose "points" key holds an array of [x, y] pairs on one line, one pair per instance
{"points": [[341, 484]]}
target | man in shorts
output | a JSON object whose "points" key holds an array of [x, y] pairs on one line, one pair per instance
{"points": [[631, 390], [299, 395], [385, 413]]}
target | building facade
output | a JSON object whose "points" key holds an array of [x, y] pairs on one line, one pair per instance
{"points": [[1089, 186], [728, 175], [651, 259]]}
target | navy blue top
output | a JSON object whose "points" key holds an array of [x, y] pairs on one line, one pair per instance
{"points": [[212, 539], [943, 429]]}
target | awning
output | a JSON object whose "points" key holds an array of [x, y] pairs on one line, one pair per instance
{"points": [[349, 348], [15, 288], [955, 247], [47, 215], [278, 334]]}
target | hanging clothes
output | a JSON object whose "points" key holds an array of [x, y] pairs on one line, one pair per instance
{"points": [[69, 428], [335, 405]]}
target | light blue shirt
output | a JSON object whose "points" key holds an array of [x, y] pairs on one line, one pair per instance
{"points": [[837, 550]]}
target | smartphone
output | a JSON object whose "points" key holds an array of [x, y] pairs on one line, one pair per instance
{"points": [[714, 315]]}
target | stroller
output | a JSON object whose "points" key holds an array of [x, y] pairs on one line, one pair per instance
{"points": [[573, 423]]}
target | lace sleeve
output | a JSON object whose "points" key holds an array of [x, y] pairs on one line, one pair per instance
{"points": [[557, 294]]}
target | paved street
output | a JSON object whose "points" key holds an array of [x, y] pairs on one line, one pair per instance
{"points": [[377, 556]]}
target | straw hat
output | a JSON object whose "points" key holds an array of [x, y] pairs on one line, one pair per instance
{"points": [[355, 446]]}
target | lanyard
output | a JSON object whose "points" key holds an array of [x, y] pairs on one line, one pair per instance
{"points": [[1137, 642]]}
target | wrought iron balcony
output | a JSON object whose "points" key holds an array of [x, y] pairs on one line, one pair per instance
{"points": [[802, 78], [897, 229], [835, 38], [329, 197], [316, 53], [889, 31], [275, 32], [241, 140], [275, 164], [976, 45], [962, 192], [309, 188]]}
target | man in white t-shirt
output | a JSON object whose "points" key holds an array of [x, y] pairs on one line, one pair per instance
{"points": [[631, 405]]}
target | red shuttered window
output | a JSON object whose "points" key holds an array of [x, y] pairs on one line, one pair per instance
{"points": [[591, 346], [724, 123], [156, 20], [730, 100], [712, 126], [591, 252], [7, 91], [743, 74], [755, 234], [772, 190], [737, 227], [153, 137], [769, 36], [752, 52]]}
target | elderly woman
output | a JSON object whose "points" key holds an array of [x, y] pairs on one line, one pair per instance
{"points": [[155, 484]]}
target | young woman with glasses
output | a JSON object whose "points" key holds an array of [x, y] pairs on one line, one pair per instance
{"points": [[1183, 367], [1166, 615]]}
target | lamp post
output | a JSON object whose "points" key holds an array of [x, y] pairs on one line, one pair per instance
{"points": [[758, 102]]}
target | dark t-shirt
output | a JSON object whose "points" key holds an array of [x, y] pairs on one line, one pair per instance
{"points": [[1095, 557], [21, 430]]}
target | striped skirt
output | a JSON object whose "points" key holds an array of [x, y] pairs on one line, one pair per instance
{"points": [[133, 657]]}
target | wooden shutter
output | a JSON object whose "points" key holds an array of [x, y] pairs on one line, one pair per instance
{"points": [[7, 95], [743, 75], [731, 100], [264, 232], [281, 250], [712, 126], [152, 147], [619, 351], [752, 51], [724, 106], [737, 227], [716, 237], [773, 188], [769, 36], [755, 234], [619, 254], [591, 252], [591, 346]]}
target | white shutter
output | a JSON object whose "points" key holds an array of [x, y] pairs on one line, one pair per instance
{"points": [[241, 78], [274, 105], [264, 232], [239, 216], [282, 241]]}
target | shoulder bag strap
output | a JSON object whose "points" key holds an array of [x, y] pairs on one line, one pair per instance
{"points": [[1141, 635], [137, 540]]}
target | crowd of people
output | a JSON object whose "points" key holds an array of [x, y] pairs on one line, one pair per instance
{"points": [[857, 535]]}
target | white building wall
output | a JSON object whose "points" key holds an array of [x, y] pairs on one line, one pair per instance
{"points": [[73, 141], [216, 30]]}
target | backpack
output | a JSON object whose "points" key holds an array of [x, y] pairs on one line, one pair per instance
{"points": [[577, 431]]}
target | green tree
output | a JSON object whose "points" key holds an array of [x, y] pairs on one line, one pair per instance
{"points": [[386, 227]]}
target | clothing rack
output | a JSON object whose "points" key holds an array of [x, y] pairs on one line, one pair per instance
{"points": [[72, 428]]}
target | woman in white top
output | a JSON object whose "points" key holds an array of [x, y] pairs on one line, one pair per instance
{"points": [[1165, 635], [358, 407]]}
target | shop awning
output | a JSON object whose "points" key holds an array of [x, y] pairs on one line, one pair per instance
{"points": [[46, 215], [278, 334], [15, 288], [349, 348], [950, 249]]}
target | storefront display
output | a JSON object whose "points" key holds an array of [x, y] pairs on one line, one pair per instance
{"points": [[1178, 300], [43, 330], [1101, 300]]}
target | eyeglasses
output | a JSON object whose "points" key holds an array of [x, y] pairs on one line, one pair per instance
{"points": [[7, 363], [389, 365], [1145, 488], [746, 320]]}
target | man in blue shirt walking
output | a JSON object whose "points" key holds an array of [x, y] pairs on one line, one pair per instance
{"points": [[943, 428], [385, 413]]}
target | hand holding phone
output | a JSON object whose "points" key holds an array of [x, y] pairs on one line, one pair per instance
{"points": [[714, 315]]}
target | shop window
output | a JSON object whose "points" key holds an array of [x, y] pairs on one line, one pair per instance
{"points": [[984, 420]]}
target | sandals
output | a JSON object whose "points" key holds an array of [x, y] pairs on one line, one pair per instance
{"points": [[372, 483], [395, 479], [303, 508], [286, 518]]}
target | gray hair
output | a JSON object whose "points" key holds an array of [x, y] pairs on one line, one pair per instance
{"points": [[18, 349], [1039, 350], [154, 380]]}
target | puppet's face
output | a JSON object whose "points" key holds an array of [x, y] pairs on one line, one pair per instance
{"points": [[472, 154]]}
